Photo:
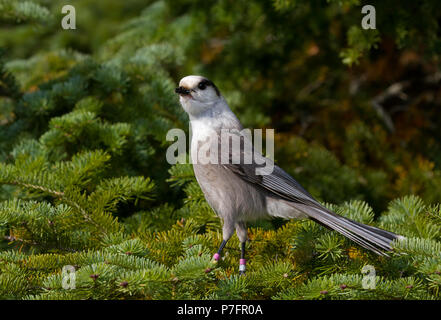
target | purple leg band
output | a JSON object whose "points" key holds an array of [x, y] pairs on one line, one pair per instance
{"points": [[242, 262], [216, 256]]}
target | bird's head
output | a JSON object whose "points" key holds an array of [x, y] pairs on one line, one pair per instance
{"points": [[197, 94]]}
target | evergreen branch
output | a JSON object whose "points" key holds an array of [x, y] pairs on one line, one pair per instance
{"points": [[36, 187]]}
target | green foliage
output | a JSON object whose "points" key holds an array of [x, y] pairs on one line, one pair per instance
{"points": [[176, 264], [83, 119], [23, 11]]}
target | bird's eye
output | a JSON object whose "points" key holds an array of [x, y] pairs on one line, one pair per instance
{"points": [[202, 86]]}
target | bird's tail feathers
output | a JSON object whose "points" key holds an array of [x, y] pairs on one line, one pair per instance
{"points": [[371, 238]]}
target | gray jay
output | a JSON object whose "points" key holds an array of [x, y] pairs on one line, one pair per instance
{"points": [[238, 192]]}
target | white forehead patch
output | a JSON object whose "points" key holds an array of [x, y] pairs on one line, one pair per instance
{"points": [[190, 82]]}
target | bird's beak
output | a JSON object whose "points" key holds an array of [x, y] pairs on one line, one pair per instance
{"points": [[182, 91]]}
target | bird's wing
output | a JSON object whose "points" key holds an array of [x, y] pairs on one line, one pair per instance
{"points": [[278, 182]]}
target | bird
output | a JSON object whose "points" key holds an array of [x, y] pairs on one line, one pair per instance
{"points": [[237, 192]]}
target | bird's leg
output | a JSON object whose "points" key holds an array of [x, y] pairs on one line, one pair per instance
{"points": [[242, 261], [216, 256], [242, 234], [227, 232]]}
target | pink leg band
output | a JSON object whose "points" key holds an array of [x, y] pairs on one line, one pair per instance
{"points": [[216, 256], [242, 262]]}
